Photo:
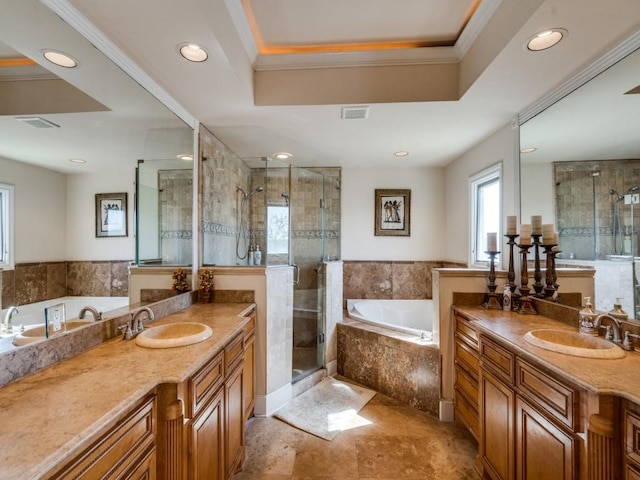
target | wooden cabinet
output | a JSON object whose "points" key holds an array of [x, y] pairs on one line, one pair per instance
{"points": [[497, 445], [529, 419], [206, 441], [234, 421], [631, 441], [126, 451], [467, 367], [248, 377]]}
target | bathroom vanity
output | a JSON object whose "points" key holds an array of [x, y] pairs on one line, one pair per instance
{"points": [[128, 412], [538, 413]]}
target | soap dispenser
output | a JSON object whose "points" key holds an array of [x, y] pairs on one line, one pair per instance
{"points": [[587, 316], [618, 313]]}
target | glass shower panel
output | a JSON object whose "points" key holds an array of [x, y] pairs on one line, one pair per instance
{"points": [[307, 222], [576, 214]]}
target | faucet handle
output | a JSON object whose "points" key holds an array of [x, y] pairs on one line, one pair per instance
{"points": [[128, 333], [627, 343], [608, 332]]}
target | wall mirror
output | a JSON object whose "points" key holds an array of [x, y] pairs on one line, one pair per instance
{"points": [[97, 114], [580, 169]]}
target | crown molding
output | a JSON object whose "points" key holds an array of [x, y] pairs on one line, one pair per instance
{"points": [[84, 27]]}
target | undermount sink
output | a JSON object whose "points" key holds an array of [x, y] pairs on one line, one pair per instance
{"points": [[573, 343], [174, 335], [38, 333]]}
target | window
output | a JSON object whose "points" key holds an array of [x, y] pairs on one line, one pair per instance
{"points": [[6, 227], [485, 192]]}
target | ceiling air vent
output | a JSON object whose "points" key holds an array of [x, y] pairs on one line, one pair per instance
{"points": [[37, 122], [355, 113]]}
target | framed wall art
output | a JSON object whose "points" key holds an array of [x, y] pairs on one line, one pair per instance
{"points": [[393, 212], [111, 215]]}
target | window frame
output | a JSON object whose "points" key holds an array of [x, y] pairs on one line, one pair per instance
{"points": [[7, 206], [476, 182]]}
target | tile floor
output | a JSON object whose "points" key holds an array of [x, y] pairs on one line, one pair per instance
{"points": [[399, 443]]}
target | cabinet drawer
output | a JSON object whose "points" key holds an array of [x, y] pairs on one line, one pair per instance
{"points": [[465, 414], [631, 473], [466, 332], [467, 357], [468, 385], [250, 327], [632, 435], [118, 450], [233, 352], [203, 385], [555, 398], [497, 359]]}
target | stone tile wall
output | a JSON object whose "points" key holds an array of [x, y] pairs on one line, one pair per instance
{"points": [[36, 282], [390, 279]]}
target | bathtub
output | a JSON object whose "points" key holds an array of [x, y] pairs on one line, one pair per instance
{"points": [[413, 317], [392, 347], [32, 315]]}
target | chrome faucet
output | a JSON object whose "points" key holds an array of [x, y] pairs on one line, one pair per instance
{"points": [[7, 326], [615, 325], [136, 322], [97, 316]]}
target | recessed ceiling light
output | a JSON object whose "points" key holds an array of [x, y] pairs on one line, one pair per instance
{"points": [[282, 155], [401, 153], [193, 52], [185, 157], [528, 150], [545, 39], [60, 59], [77, 160]]}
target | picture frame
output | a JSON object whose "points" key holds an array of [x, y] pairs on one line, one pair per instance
{"points": [[393, 212], [111, 215]]}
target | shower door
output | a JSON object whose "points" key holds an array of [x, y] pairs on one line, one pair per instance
{"points": [[306, 253]]}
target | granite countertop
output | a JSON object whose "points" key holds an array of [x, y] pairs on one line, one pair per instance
{"points": [[600, 376], [48, 417]]}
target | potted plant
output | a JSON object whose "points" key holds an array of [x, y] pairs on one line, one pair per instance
{"points": [[180, 284], [205, 284]]}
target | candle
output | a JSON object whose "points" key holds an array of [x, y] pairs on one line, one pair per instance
{"points": [[548, 229], [511, 225], [536, 225], [492, 242], [554, 239], [525, 234]]}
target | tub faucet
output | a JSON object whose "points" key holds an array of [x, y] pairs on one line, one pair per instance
{"points": [[7, 326], [136, 321], [615, 326], [97, 316]]}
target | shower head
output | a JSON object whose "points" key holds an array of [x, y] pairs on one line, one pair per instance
{"points": [[247, 196], [618, 196], [635, 188]]}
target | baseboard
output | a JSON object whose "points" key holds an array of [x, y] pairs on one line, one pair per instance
{"points": [[332, 368], [266, 405], [446, 410]]}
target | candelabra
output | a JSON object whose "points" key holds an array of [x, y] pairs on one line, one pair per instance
{"points": [[525, 302], [549, 290], [511, 274], [537, 274], [554, 273], [492, 297]]}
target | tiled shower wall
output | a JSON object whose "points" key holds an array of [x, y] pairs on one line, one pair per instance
{"points": [[390, 280], [175, 194], [221, 173], [36, 282], [585, 209]]}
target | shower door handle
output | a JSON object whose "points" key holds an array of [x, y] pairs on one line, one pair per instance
{"points": [[296, 273]]}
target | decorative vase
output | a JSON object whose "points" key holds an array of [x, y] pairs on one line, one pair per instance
{"points": [[205, 297]]}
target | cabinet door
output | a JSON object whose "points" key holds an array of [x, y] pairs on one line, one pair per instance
{"points": [[543, 450], [248, 377], [206, 442], [234, 414], [496, 420]]}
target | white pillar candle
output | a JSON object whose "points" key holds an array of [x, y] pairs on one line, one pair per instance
{"points": [[492, 242], [511, 225], [536, 225], [525, 234], [548, 229]]}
